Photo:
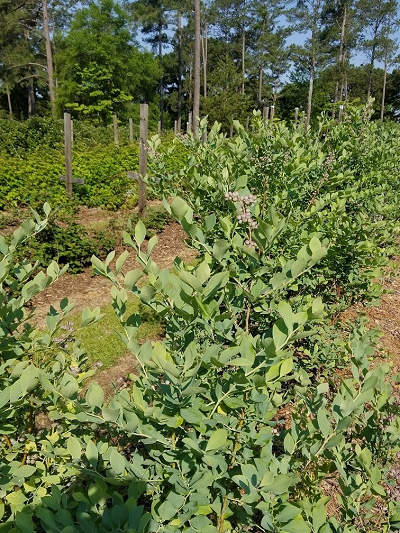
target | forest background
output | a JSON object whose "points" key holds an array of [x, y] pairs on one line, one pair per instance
{"points": [[105, 57]]}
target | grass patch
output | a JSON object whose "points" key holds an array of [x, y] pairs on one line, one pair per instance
{"points": [[100, 341]]}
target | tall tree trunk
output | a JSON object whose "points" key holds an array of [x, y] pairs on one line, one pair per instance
{"points": [[161, 87], [344, 83], [243, 54], [204, 46], [31, 84], [313, 57], [384, 87], [49, 57], [31, 98], [342, 54], [310, 91], [260, 83], [179, 118], [371, 65], [196, 90], [335, 98], [9, 102]]}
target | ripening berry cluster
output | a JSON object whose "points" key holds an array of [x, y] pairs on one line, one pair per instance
{"points": [[250, 244], [245, 218], [247, 200]]}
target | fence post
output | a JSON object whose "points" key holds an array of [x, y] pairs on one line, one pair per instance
{"points": [[271, 118], [265, 115], [144, 129], [115, 123], [175, 127], [340, 114], [130, 131], [72, 134], [296, 115], [68, 152]]}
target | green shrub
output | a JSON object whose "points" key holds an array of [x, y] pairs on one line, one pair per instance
{"points": [[222, 430], [70, 245]]}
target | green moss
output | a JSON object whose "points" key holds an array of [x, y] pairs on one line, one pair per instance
{"points": [[100, 341]]}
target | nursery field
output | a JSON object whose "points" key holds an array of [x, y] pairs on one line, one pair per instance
{"points": [[250, 326]]}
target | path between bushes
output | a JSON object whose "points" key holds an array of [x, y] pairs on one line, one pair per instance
{"points": [[386, 318], [88, 290]]}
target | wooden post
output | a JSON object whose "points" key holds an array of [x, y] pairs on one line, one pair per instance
{"points": [[144, 131], [175, 127], [68, 152], [340, 114], [115, 123], [187, 127], [231, 130], [130, 131], [265, 115], [72, 134], [296, 115], [247, 123], [190, 122], [271, 118]]}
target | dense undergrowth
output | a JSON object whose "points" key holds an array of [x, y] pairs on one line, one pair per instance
{"points": [[32, 161], [237, 420]]}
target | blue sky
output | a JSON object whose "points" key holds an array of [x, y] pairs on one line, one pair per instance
{"points": [[298, 38]]}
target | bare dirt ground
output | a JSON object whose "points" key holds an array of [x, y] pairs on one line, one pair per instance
{"points": [[386, 318], [89, 290]]}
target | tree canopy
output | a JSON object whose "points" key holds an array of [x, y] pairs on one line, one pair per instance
{"points": [[108, 56]]}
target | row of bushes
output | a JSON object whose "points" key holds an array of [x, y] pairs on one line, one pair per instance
{"points": [[235, 421], [31, 177]]}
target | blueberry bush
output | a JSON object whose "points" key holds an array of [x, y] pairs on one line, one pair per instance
{"points": [[230, 423]]}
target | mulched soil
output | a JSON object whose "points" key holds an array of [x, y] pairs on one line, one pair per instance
{"points": [[386, 318], [89, 290]]}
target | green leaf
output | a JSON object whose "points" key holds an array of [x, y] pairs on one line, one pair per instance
{"points": [[192, 415], [323, 422], [121, 261], [117, 462], [285, 310], [289, 512], [74, 448], [140, 233], [16, 499], [180, 209], [46, 209], [92, 454], [132, 277], [217, 440], [24, 522], [289, 443], [319, 515], [95, 395], [25, 471], [278, 485], [296, 526]]}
